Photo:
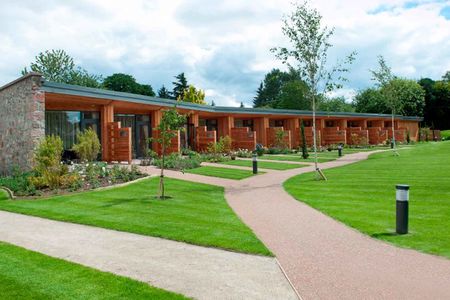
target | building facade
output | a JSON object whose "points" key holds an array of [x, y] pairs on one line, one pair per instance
{"points": [[31, 107]]}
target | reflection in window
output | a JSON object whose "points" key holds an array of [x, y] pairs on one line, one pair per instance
{"points": [[65, 124]]}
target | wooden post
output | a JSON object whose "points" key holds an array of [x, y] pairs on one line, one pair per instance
{"points": [[107, 116]]}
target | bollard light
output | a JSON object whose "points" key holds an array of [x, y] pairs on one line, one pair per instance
{"points": [[340, 150], [255, 164], [402, 208]]}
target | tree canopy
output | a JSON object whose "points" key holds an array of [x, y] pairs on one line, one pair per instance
{"points": [[437, 103], [58, 66], [193, 95], [179, 86], [164, 93], [126, 83], [391, 94], [270, 91]]}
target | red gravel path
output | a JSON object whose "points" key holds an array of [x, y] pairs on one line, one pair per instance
{"points": [[325, 259]]}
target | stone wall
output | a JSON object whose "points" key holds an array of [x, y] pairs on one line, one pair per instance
{"points": [[22, 122]]}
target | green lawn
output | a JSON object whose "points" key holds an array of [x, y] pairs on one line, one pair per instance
{"points": [[197, 213], [324, 156], [362, 195], [235, 174], [297, 158], [26, 274], [263, 164]]}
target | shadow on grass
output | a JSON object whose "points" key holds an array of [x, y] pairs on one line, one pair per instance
{"points": [[384, 234]]}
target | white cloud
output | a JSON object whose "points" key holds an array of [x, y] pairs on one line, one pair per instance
{"points": [[223, 47]]}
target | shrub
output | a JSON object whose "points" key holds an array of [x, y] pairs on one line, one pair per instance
{"points": [[226, 143], [177, 162], [278, 151], [243, 153], [19, 182], [48, 157], [279, 139], [214, 157], [304, 146], [88, 145], [260, 150]]}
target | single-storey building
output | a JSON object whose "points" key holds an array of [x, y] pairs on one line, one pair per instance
{"points": [[31, 107]]}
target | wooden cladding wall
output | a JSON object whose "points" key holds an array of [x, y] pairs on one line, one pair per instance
{"points": [[377, 135], [308, 136], [204, 138], [174, 143], [119, 143], [357, 136], [271, 133], [243, 138], [333, 135], [400, 134]]}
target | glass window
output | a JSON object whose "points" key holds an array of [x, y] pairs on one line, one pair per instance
{"points": [[65, 124]]}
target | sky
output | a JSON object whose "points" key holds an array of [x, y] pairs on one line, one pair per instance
{"points": [[223, 47]]}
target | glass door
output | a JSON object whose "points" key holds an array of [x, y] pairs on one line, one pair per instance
{"points": [[143, 133]]}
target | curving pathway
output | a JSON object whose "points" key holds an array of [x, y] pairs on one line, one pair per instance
{"points": [[325, 259], [194, 271]]}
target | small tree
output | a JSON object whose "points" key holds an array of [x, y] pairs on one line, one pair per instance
{"points": [[88, 145], [305, 153], [310, 40], [171, 122]]}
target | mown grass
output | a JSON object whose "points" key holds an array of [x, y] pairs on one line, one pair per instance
{"points": [[362, 195], [196, 213], [235, 174], [264, 164], [26, 274]]}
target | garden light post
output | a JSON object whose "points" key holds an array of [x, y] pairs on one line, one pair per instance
{"points": [[340, 150], [255, 164], [402, 209]]}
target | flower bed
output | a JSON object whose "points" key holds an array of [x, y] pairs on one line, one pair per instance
{"points": [[78, 177]]}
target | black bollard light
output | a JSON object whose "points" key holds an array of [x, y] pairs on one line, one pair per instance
{"points": [[340, 150], [402, 208], [255, 164]]}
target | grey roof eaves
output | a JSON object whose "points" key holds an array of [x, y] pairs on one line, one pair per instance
{"points": [[75, 90]]}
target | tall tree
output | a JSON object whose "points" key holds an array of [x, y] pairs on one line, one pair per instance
{"points": [[437, 103], [371, 100], [293, 95], [213, 103], [121, 82], [446, 77], [145, 89], [58, 66], [258, 100], [164, 93], [384, 74], [337, 104], [193, 95], [310, 41], [180, 85], [269, 91]]}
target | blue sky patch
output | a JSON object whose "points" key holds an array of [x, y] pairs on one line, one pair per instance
{"points": [[445, 12]]}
